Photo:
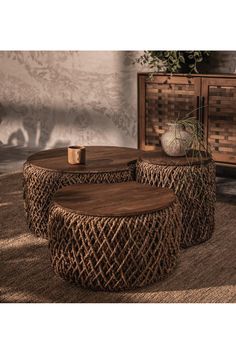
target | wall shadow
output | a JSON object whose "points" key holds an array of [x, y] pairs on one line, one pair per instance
{"points": [[220, 62], [38, 125]]}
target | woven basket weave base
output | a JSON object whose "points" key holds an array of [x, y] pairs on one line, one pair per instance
{"points": [[39, 186], [114, 253], [195, 188]]}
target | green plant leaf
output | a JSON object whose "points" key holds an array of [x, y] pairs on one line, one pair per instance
{"points": [[172, 61]]}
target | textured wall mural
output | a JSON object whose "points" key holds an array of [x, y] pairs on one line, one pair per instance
{"points": [[52, 99]]}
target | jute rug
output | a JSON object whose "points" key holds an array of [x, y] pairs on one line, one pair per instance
{"points": [[206, 273]]}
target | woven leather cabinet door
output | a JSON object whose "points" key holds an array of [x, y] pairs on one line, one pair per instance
{"points": [[220, 118], [160, 101]]}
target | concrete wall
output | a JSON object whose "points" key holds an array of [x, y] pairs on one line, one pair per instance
{"points": [[52, 99]]}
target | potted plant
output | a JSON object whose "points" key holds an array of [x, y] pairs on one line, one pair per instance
{"points": [[185, 135], [173, 61]]}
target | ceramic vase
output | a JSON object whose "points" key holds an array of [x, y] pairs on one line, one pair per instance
{"points": [[176, 141]]}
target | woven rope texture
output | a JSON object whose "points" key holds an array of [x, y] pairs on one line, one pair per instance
{"points": [[39, 186], [195, 188], [114, 253]]}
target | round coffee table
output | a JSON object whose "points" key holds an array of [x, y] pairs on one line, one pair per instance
{"points": [[114, 236], [47, 171], [193, 181]]}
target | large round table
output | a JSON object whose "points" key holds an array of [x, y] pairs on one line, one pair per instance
{"points": [[47, 171], [114, 236]]}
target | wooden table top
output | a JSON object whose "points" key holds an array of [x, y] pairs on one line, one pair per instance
{"points": [[160, 158], [115, 199], [98, 159], [108, 158]]}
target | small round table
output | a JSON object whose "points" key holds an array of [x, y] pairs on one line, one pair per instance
{"points": [[114, 236], [47, 171], [193, 181]]}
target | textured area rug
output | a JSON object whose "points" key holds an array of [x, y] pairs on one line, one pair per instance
{"points": [[206, 273]]}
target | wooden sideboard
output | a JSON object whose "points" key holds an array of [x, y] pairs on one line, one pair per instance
{"points": [[161, 99]]}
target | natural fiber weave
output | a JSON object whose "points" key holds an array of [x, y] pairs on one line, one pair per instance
{"points": [[114, 253], [39, 186], [196, 190]]}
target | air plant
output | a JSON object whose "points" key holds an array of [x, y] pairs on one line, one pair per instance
{"points": [[198, 146]]}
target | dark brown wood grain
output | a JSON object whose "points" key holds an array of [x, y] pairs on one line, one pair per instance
{"points": [[116, 199], [170, 75], [98, 159]]}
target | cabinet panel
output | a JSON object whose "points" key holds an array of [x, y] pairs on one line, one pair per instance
{"points": [[220, 118], [160, 101]]}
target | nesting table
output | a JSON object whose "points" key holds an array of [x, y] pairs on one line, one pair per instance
{"points": [[47, 171], [118, 221], [114, 236], [193, 181]]}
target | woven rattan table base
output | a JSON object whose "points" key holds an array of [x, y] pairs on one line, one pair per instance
{"points": [[195, 187], [39, 186], [114, 253]]}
